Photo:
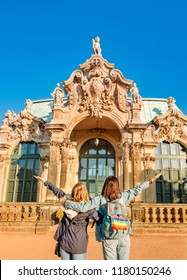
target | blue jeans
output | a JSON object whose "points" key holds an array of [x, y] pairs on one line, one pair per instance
{"points": [[116, 249], [69, 256]]}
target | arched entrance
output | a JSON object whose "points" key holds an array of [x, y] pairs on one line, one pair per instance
{"points": [[96, 163]]}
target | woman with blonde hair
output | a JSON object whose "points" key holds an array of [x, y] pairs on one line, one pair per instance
{"points": [[72, 229]]}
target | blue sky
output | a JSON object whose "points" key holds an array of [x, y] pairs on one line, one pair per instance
{"points": [[43, 42]]}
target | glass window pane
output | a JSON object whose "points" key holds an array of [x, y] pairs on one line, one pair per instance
{"points": [[158, 187], [175, 163], [166, 175], [83, 174], [175, 175], [182, 150], [100, 186], [166, 163], [158, 150], [102, 147], [158, 164], [24, 148], [174, 148], [26, 197], [168, 198], [92, 169], [165, 148], [27, 186], [110, 150], [159, 198], [92, 148], [21, 173], [110, 167], [34, 197], [101, 168], [167, 187], [31, 148]]}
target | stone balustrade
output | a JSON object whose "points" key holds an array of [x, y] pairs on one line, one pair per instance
{"points": [[159, 218], [25, 216], [146, 217]]}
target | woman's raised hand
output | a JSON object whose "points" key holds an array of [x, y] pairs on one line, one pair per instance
{"points": [[154, 178], [39, 178]]}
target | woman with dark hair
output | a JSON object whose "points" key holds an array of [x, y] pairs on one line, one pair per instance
{"points": [[116, 246]]}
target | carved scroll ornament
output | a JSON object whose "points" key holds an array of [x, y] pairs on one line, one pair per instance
{"points": [[96, 88]]}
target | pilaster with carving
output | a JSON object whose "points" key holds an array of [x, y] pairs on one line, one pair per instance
{"points": [[44, 167], [125, 150], [69, 165], [4, 170], [136, 152]]}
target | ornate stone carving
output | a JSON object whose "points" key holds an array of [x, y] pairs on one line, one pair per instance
{"points": [[136, 151], [170, 127], [96, 88], [125, 148], [25, 126], [8, 117], [54, 151], [4, 160], [149, 161], [67, 151], [44, 162]]}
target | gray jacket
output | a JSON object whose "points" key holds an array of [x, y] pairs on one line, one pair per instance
{"points": [[73, 238]]}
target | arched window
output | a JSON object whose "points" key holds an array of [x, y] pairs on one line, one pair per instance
{"points": [[171, 187], [22, 186], [97, 161]]}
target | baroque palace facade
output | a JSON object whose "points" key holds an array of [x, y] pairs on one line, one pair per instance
{"points": [[96, 124]]}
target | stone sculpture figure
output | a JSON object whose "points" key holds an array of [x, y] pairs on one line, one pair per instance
{"points": [[58, 94], [96, 46], [135, 94]]}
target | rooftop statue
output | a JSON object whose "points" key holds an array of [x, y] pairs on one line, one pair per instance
{"points": [[8, 117], [96, 46], [58, 94], [28, 104], [171, 101], [135, 97]]}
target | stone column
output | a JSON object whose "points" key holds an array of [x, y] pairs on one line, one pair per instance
{"points": [[4, 170], [125, 160], [54, 168], [136, 149], [69, 166], [44, 164]]}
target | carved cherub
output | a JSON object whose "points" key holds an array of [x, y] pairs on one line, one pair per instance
{"points": [[96, 46]]}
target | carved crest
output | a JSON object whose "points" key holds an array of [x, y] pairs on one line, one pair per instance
{"points": [[24, 126], [170, 127], [96, 88]]}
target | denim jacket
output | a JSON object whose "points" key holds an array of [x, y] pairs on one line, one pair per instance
{"points": [[99, 200]]}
